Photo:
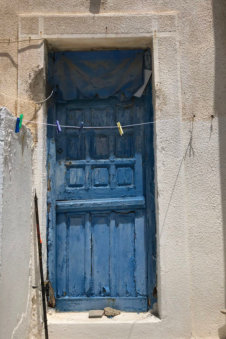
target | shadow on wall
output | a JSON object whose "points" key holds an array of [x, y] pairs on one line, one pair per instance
{"points": [[94, 6], [219, 22]]}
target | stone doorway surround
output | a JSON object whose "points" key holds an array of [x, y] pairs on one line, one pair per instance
{"points": [[157, 30]]}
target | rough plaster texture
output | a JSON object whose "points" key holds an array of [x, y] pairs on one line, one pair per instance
{"points": [[16, 229], [189, 78]]}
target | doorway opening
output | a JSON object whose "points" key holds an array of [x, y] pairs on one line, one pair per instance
{"points": [[101, 207]]}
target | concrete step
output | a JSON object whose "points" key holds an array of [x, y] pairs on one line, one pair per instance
{"points": [[78, 325]]}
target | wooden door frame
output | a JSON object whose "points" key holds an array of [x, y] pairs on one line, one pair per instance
{"points": [[144, 201]]}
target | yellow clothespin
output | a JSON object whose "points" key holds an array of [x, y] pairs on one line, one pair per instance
{"points": [[120, 128]]}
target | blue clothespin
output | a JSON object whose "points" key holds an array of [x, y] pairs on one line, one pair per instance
{"points": [[58, 126], [17, 128], [81, 125]]}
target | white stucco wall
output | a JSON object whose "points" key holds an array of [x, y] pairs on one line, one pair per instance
{"points": [[189, 81], [16, 229]]}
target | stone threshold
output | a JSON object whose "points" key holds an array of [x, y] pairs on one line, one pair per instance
{"points": [[78, 325], [55, 317]]}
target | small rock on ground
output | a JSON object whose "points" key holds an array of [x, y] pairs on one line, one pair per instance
{"points": [[96, 313], [111, 312]]}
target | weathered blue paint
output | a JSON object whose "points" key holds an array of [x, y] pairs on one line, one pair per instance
{"points": [[138, 304], [101, 233], [100, 204]]}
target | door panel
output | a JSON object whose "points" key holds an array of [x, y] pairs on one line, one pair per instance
{"points": [[100, 245], [101, 254], [97, 163]]}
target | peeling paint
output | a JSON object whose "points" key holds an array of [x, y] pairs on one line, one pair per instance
{"points": [[16, 250], [37, 83]]}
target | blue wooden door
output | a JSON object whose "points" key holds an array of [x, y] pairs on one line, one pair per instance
{"points": [[100, 204]]}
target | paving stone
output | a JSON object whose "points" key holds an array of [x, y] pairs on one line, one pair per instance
{"points": [[96, 313], [111, 312]]}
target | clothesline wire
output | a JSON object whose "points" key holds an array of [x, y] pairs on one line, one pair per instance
{"points": [[97, 127], [44, 100], [9, 41], [30, 101]]}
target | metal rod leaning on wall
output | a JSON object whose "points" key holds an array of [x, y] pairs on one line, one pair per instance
{"points": [[41, 268]]}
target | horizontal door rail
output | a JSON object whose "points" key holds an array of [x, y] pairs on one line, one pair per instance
{"points": [[116, 161], [128, 304], [100, 204]]}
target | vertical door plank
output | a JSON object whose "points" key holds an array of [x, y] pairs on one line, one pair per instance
{"points": [[61, 254], [125, 256], [76, 265], [87, 254], [140, 254], [113, 257], [100, 255]]}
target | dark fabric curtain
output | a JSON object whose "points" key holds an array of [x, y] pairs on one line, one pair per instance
{"points": [[100, 74]]}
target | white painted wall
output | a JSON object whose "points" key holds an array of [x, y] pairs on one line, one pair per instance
{"points": [[16, 229], [189, 78]]}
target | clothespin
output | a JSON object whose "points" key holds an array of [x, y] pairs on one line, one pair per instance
{"points": [[120, 128], [58, 126], [81, 125], [17, 128], [21, 120]]}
